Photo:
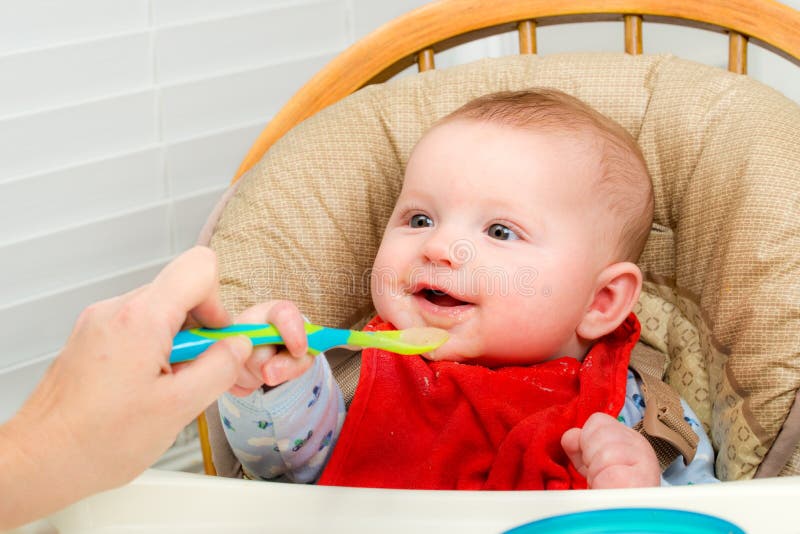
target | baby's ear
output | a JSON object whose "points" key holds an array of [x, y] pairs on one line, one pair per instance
{"points": [[617, 290]]}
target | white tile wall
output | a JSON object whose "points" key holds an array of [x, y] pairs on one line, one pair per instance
{"points": [[190, 212], [43, 203], [82, 71], [369, 14], [26, 24], [46, 202], [197, 163], [49, 140], [206, 48], [121, 123], [167, 12], [238, 98], [83, 253]]}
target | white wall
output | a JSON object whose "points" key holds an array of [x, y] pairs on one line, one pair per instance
{"points": [[122, 121]]}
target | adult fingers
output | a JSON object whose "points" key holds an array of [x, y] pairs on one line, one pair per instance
{"points": [[189, 283], [195, 386]]}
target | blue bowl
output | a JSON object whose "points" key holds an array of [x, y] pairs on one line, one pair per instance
{"points": [[630, 521]]}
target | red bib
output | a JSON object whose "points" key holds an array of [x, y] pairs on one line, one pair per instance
{"points": [[420, 424]]}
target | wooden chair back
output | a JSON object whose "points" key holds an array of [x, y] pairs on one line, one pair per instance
{"points": [[419, 35]]}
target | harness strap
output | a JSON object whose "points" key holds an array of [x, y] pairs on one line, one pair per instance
{"points": [[663, 424]]}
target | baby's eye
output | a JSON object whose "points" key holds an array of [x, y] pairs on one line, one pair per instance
{"points": [[420, 221], [501, 232]]}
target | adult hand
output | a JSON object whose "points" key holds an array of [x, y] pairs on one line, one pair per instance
{"points": [[110, 404]]}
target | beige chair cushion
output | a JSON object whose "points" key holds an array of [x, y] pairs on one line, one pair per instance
{"points": [[723, 279]]}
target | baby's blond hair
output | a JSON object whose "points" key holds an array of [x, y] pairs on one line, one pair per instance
{"points": [[625, 182]]}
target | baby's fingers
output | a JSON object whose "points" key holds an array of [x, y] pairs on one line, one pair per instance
{"points": [[571, 443], [598, 433], [284, 316], [289, 322], [246, 383], [250, 375], [283, 367]]}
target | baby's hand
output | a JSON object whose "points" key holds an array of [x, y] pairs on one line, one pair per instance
{"points": [[611, 455], [274, 364]]}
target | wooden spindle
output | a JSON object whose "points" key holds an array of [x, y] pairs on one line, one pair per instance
{"points": [[737, 53], [527, 37], [425, 60], [633, 34], [205, 445]]}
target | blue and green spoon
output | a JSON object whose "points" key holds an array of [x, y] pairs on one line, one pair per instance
{"points": [[189, 344]]}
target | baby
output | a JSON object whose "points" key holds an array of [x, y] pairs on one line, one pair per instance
{"points": [[516, 230]]}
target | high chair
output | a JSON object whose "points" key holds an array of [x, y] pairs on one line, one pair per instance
{"points": [[721, 301]]}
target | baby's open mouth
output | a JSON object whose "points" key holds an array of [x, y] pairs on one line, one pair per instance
{"points": [[440, 298]]}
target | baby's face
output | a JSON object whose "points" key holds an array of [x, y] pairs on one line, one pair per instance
{"points": [[495, 238]]}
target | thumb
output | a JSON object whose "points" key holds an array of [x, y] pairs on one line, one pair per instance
{"points": [[571, 443], [212, 373]]}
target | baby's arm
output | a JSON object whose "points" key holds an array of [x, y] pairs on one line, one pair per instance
{"points": [[286, 430], [701, 469], [611, 455]]}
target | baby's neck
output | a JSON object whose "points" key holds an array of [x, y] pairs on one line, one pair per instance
{"points": [[576, 348]]}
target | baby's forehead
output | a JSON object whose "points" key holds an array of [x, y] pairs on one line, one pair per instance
{"points": [[465, 137], [583, 138]]}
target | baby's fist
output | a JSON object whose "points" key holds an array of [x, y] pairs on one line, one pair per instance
{"points": [[611, 455], [274, 364]]}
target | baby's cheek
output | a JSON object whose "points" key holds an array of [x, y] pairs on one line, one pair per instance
{"points": [[397, 310], [526, 335]]}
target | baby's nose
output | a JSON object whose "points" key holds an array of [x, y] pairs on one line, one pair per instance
{"points": [[451, 253]]}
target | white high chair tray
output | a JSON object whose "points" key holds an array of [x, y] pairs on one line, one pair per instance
{"points": [[165, 501]]}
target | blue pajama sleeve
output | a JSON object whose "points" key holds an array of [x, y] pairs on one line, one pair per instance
{"points": [[701, 469], [288, 432]]}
